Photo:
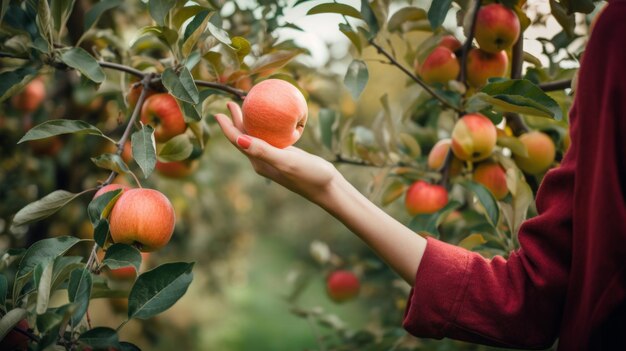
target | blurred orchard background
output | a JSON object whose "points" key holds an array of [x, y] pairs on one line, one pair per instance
{"points": [[261, 253]]}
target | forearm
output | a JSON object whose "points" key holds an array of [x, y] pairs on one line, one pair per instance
{"points": [[396, 244]]}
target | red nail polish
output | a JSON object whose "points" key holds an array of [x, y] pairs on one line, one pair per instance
{"points": [[244, 141]]}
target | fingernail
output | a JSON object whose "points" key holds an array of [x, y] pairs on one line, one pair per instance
{"points": [[244, 141]]}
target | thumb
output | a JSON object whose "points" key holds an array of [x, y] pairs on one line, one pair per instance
{"points": [[259, 149]]}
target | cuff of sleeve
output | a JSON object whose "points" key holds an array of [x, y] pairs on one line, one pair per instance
{"points": [[436, 297]]}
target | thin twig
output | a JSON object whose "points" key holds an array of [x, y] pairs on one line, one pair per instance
{"points": [[118, 67], [445, 169], [468, 42], [240, 94], [428, 89], [556, 85], [26, 333], [340, 159]]}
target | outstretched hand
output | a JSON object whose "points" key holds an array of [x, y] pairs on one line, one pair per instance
{"points": [[301, 172]]}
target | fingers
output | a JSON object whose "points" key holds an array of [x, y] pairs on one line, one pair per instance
{"points": [[230, 131], [235, 112], [261, 150]]}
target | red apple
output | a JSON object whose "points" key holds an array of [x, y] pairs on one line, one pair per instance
{"points": [[493, 177], [438, 154], [29, 99], [275, 111], [450, 42], [440, 66], [425, 198], [497, 28], [162, 112], [482, 65], [142, 217], [541, 153], [342, 285], [473, 137], [15, 340], [177, 169]]}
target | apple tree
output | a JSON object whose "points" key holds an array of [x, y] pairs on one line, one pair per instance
{"points": [[88, 107]]}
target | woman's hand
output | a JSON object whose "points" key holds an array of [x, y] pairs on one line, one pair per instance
{"points": [[303, 173]]}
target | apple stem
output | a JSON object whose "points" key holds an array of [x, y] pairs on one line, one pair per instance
{"points": [[445, 168]]}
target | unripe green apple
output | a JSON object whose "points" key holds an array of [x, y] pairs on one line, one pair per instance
{"points": [[276, 111], [493, 177], [162, 112], [497, 28], [142, 217], [473, 137], [440, 66], [438, 154], [425, 198], [342, 285], [482, 65], [541, 153]]}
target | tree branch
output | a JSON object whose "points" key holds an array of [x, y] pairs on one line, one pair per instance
{"points": [[556, 85], [240, 94], [340, 159], [445, 169], [428, 89], [514, 120], [468, 42], [118, 67]]}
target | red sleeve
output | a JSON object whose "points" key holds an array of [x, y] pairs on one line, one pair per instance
{"points": [[515, 302]]}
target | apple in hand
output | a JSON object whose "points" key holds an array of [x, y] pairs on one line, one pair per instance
{"points": [[162, 112], [473, 137], [142, 217], [541, 153], [497, 28], [342, 285], [438, 154], [275, 111], [29, 99], [425, 198], [440, 66], [482, 65], [493, 177]]}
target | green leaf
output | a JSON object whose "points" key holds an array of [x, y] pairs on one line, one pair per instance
{"points": [[101, 231], [582, 6], [63, 266], [93, 15], [10, 320], [370, 18], [101, 206], [394, 190], [44, 23], [353, 36], [127, 346], [58, 127], [430, 222], [144, 152], [486, 199], [403, 19], [437, 12], [181, 86], [157, 290], [521, 95], [111, 162], [3, 9], [86, 64], [182, 14], [159, 10], [13, 81], [341, 9], [100, 337], [242, 47], [61, 10], [193, 32], [43, 207], [166, 35], [4, 288], [514, 144], [49, 324], [191, 113], [122, 255], [43, 281], [327, 119], [273, 60], [356, 77], [176, 149], [565, 19], [219, 34], [78, 292]]}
